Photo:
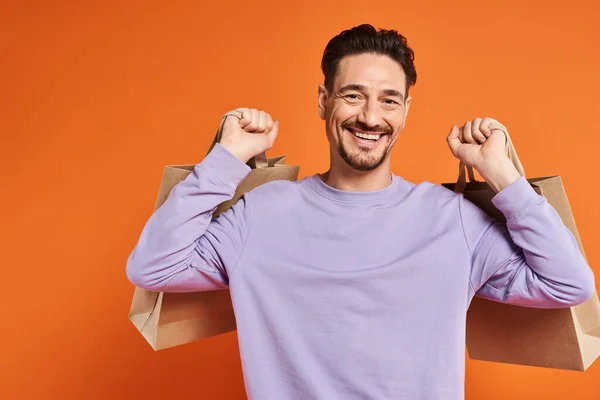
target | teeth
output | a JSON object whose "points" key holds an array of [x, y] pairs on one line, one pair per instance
{"points": [[366, 136]]}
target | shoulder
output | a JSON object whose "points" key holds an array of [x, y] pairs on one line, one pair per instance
{"points": [[442, 207], [431, 193], [280, 194], [276, 189]]}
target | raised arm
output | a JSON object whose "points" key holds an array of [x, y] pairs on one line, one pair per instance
{"points": [[534, 259], [182, 248], [531, 261]]}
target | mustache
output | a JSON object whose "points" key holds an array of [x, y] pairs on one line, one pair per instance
{"points": [[357, 125]]}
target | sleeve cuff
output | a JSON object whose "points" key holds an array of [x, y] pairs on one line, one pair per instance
{"points": [[224, 166], [515, 198]]}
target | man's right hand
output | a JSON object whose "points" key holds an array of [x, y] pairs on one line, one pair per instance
{"points": [[245, 138]]}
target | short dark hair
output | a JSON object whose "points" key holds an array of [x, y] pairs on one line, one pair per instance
{"points": [[366, 39]]}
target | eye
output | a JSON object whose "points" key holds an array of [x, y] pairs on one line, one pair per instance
{"points": [[352, 96], [390, 101]]}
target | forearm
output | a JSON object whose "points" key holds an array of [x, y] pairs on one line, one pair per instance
{"points": [[499, 173], [551, 270], [170, 238]]}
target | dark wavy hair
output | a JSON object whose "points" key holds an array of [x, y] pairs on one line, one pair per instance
{"points": [[366, 39]]}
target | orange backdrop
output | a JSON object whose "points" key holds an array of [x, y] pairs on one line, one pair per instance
{"points": [[97, 98]]}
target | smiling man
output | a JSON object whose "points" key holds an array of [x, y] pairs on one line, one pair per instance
{"points": [[364, 101], [355, 283]]}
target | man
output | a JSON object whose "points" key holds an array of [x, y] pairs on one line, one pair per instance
{"points": [[354, 284]]}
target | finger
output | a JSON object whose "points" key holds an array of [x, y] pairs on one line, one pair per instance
{"points": [[246, 117], [453, 139], [272, 134], [262, 122], [231, 121], [489, 122], [269, 122], [485, 127], [466, 136], [254, 120], [476, 131]]}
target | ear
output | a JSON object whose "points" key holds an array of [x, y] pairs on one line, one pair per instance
{"points": [[323, 95]]}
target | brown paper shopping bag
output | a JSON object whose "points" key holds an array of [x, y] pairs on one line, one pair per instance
{"points": [[567, 338], [171, 319]]}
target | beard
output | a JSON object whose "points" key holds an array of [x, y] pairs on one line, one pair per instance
{"points": [[364, 159]]}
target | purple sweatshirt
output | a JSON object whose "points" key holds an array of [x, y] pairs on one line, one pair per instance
{"points": [[355, 295]]}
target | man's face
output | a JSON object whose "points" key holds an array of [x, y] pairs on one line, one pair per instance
{"points": [[366, 109]]}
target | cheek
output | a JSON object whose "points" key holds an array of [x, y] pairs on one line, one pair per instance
{"points": [[394, 124], [341, 112], [397, 121], [332, 123]]}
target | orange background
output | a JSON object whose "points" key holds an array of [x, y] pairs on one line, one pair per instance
{"points": [[97, 98]]}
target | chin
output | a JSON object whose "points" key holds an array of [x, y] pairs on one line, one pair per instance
{"points": [[360, 161]]}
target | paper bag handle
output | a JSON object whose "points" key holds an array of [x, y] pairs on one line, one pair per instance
{"points": [[461, 182], [258, 161]]}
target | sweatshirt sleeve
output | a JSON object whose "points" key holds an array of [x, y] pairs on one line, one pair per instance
{"points": [[533, 260], [181, 247]]}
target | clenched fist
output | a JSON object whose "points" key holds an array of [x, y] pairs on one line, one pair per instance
{"points": [[481, 144], [477, 141], [249, 136]]}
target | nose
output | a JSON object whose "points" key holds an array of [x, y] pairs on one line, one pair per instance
{"points": [[370, 114]]}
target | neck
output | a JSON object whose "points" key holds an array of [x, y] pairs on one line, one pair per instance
{"points": [[342, 177]]}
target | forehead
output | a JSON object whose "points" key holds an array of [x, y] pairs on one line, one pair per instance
{"points": [[370, 70]]}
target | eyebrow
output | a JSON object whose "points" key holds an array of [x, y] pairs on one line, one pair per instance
{"points": [[361, 88]]}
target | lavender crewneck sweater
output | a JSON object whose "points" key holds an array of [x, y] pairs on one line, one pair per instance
{"points": [[346, 295]]}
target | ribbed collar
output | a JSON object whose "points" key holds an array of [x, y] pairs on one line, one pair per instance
{"points": [[375, 196]]}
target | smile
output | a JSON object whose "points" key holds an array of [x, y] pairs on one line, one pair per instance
{"points": [[366, 136]]}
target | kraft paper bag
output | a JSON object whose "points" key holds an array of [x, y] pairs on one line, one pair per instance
{"points": [[171, 319], [567, 338]]}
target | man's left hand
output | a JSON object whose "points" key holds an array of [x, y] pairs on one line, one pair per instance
{"points": [[484, 149]]}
